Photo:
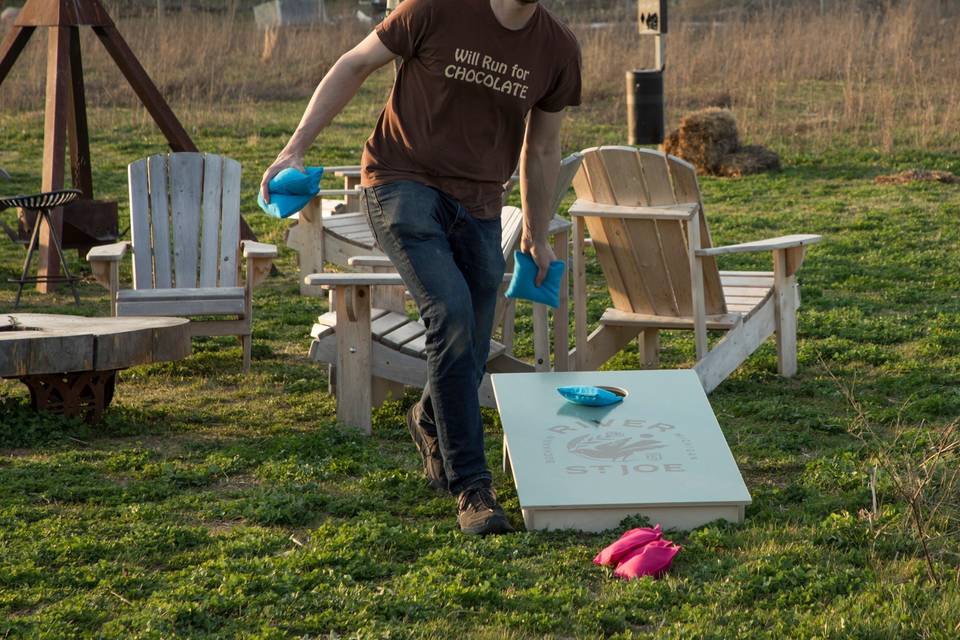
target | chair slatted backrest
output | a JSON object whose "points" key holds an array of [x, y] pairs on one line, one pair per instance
{"points": [[568, 169], [185, 220], [646, 260], [511, 226]]}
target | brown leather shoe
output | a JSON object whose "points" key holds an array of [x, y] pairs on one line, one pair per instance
{"points": [[479, 514], [429, 448]]}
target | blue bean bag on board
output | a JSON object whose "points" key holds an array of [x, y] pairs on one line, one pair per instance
{"points": [[290, 191], [589, 396], [523, 285]]}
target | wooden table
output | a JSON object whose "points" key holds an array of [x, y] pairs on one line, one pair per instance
{"points": [[70, 363]]}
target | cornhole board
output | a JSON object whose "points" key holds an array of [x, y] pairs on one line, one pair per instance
{"points": [[659, 453]]}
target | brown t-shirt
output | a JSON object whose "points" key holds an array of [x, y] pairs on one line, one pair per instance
{"points": [[456, 116]]}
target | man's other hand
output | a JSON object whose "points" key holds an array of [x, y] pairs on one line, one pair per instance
{"points": [[282, 162], [542, 254]]}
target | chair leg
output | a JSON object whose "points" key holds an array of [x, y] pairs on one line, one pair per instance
{"points": [[354, 345], [787, 333], [247, 342], [601, 345], [246, 339], [508, 329], [649, 344], [785, 295], [541, 338], [383, 390]]}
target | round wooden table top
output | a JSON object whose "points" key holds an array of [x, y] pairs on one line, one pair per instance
{"points": [[39, 343]]}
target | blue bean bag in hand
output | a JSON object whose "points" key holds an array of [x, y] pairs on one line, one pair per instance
{"points": [[523, 285], [290, 191]]}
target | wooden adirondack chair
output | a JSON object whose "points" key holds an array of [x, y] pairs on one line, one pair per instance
{"points": [[377, 344], [645, 217], [185, 239]]}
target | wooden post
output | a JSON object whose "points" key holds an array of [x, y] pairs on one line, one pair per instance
{"points": [[54, 145], [77, 121], [651, 23]]}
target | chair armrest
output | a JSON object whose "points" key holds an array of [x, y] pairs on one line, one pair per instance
{"points": [[337, 192], [108, 252], [334, 280], [253, 249], [772, 244], [665, 212], [369, 261], [558, 224], [342, 167]]}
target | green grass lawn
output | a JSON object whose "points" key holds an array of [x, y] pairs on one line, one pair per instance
{"points": [[209, 504]]}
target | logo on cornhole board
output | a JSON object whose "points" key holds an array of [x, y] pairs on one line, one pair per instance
{"points": [[660, 452], [612, 445]]}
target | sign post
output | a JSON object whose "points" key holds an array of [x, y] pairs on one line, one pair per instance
{"points": [[645, 102]]}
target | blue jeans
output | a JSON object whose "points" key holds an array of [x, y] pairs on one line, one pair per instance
{"points": [[453, 266]]}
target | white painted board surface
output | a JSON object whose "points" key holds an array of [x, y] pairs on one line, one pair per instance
{"points": [[659, 452]]}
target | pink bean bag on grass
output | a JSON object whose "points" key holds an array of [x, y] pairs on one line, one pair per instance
{"points": [[628, 544], [652, 560]]}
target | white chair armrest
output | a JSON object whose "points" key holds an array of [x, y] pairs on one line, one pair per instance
{"points": [[369, 261], [108, 252], [337, 192], [771, 244], [253, 249], [333, 280], [665, 212]]}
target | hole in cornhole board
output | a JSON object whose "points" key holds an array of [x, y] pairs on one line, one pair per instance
{"points": [[617, 390]]}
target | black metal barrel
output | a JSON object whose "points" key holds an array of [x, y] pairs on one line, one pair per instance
{"points": [[645, 117]]}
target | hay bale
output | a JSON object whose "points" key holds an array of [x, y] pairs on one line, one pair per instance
{"points": [[708, 140], [918, 175], [748, 160], [705, 137]]}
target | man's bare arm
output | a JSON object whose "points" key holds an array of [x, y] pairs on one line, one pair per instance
{"points": [[330, 97], [539, 168]]}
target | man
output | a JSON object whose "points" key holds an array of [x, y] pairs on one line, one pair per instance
{"points": [[482, 83]]}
